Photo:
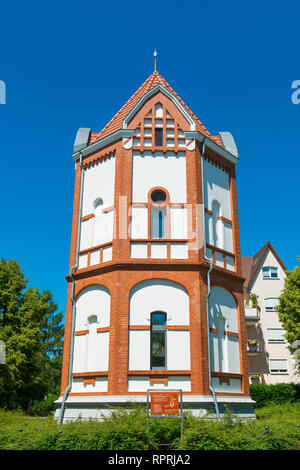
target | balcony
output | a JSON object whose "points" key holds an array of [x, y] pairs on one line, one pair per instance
{"points": [[256, 379], [254, 347], [251, 315]]}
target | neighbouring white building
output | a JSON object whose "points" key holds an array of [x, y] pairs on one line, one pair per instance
{"points": [[270, 360]]}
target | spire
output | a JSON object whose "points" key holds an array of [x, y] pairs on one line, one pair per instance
{"points": [[155, 63]]}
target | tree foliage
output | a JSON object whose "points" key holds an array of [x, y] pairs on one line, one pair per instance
{"points": [[32, 331], [289, 311]]}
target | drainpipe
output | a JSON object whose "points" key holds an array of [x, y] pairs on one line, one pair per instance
{"points": [[208, 291], [73, 268]]}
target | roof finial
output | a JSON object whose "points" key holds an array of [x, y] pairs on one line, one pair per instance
{"points": [[155, 63]]}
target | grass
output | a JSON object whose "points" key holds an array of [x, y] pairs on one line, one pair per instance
{"points": [[129, 431]]}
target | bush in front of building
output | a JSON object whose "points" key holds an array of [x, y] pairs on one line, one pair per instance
{"points": [[43, 407], [280, 394], [129, 431]]}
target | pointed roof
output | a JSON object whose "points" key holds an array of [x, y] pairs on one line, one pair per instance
{"points": [[153, 80], [250, 265]]}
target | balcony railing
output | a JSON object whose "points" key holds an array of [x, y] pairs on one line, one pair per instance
{"points": [[251, 315], [256, 378], [254, 346]]}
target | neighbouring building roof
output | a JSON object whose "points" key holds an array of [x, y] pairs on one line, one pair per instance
{"points": [[250, 265], [117, 121]]}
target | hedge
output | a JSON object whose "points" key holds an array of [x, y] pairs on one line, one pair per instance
{"points": [[279, 394]]}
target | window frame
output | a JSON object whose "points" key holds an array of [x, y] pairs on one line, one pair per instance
{"points": [[158, 136], [270, 309], [269, 276], [275, 341], [280, 371], [161, 208], [158, 329]]}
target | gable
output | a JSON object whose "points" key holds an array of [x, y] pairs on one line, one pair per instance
{"points": [[159, 123]]}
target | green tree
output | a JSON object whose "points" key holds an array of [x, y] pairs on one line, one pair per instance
{"points": [[289, 311], [32, 332]]}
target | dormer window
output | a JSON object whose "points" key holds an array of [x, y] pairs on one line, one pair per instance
{"points": [[270, 272]]}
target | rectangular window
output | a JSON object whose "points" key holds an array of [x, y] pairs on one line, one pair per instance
{"points": [[278, 366], [271, 304], [158, 340], [270, 273], [275, 335], [158, 222], [158, 137]]}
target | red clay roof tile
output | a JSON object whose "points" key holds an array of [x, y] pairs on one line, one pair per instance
{"points": [[117, 121]]}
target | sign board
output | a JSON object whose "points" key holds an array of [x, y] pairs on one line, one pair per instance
{"points": [[164, 403]]}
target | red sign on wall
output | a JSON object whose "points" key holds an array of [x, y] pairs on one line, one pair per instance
{"points": [[164, 403]]}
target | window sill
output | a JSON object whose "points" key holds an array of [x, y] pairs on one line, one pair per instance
{"points": [[279, 373]]}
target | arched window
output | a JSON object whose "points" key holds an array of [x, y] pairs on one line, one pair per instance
{"points": [[158, 213], [158, 340]]}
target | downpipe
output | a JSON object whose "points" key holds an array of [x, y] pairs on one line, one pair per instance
{"points": [[73, 268], [208, 293]]}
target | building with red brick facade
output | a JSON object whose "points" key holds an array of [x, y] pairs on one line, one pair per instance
{"points": [[155, 286]]}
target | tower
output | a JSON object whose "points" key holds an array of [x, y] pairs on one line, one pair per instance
{"points": [[155, 289]]}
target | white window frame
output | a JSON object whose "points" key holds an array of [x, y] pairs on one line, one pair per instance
{"points": [[269, 272], [270, 309], [279, 372], [275, 341]]}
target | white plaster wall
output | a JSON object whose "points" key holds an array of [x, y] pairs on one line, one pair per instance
{"points": [[138, 250], [139, 222], [233, 354], [171, 298], [80, 352], [101, 385], [94, 300], [91, 350], [159, 295], [168, 171], [216, 187], [178, 350], [223, 317], [158, 250], [142, 384], [178, 216], [99, 181], [97, 352], [86, 234], [139, 350], [228, 243], [103, 228], [222, 303], [234, 387], [179, 251]]}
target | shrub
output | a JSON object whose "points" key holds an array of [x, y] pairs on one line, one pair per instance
{"points": [[264, 394], [43, 407]]}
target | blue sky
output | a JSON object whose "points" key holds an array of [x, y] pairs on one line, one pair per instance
{"points": [[74, 64]]}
